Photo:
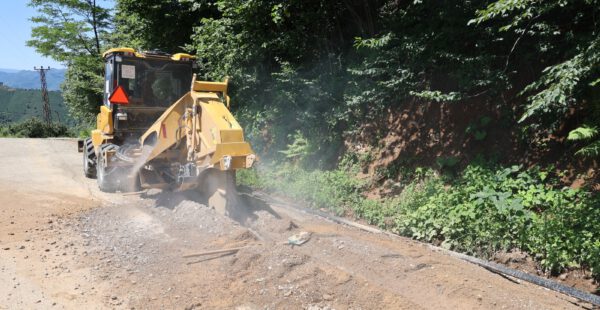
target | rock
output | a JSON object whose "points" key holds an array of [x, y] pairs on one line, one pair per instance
{"points": [[6, 249], [300, 238], [327, 297], [563, 276]]}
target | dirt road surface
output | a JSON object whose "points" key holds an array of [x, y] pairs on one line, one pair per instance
{"points": [[65, 245]]}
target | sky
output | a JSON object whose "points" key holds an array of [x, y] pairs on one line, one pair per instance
{"points": [[15, 30]]}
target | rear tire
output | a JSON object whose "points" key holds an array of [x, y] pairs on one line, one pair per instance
{"points": [[89, 159], [106, 176]]}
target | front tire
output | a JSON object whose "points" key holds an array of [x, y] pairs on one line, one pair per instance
{"points": [[89, 159], [106, 176]]}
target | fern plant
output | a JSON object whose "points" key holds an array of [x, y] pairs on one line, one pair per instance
{"points": [[586, 133], [299, 149]]}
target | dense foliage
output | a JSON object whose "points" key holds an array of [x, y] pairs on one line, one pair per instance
{"points": [[34, 128], [563, 38], [288, 63], [316, 70], [164, 25], [74, 32], [21, 104], [490, 209]]}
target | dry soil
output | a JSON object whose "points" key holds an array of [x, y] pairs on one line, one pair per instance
{"points": [[66, 245]]}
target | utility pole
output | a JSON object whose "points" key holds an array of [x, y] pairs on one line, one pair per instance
{"points": [[46, 102]]}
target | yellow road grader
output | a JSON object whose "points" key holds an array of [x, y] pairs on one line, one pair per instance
{"points": [[159, 127]]}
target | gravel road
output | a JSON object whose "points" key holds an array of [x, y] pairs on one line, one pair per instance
{"points": [[66, 245]]}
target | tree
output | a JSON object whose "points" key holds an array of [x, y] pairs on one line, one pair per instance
{"points": [[563, 38], [74, 32], [287, 62], [165, 25], [425, 49]]}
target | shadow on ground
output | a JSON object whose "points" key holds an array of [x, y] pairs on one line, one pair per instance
{"points": [[243, 208]]}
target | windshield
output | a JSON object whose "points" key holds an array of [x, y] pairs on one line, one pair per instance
{"points": [[150, 82]]}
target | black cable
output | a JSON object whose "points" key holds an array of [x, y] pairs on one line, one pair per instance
{"points": [[549, 284]]}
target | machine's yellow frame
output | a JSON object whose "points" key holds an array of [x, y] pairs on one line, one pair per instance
{"points": [[213, 137]]}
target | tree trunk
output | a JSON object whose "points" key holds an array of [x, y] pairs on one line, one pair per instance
{"points": [[95, 26]]}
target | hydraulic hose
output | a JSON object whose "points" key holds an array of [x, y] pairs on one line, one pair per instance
{"points": [[121, 153]]}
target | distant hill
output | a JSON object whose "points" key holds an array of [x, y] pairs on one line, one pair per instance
{"points": [[20, 104], [30, 79]]}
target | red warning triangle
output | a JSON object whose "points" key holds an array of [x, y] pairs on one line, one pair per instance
{"points": [[119, 96]]}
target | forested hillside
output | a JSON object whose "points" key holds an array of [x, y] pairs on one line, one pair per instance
{"points": [[20, 104], [468, 124]]}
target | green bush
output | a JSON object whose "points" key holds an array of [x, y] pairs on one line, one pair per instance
{"points": [[34, 128], [335, 190], [489, 209]]}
